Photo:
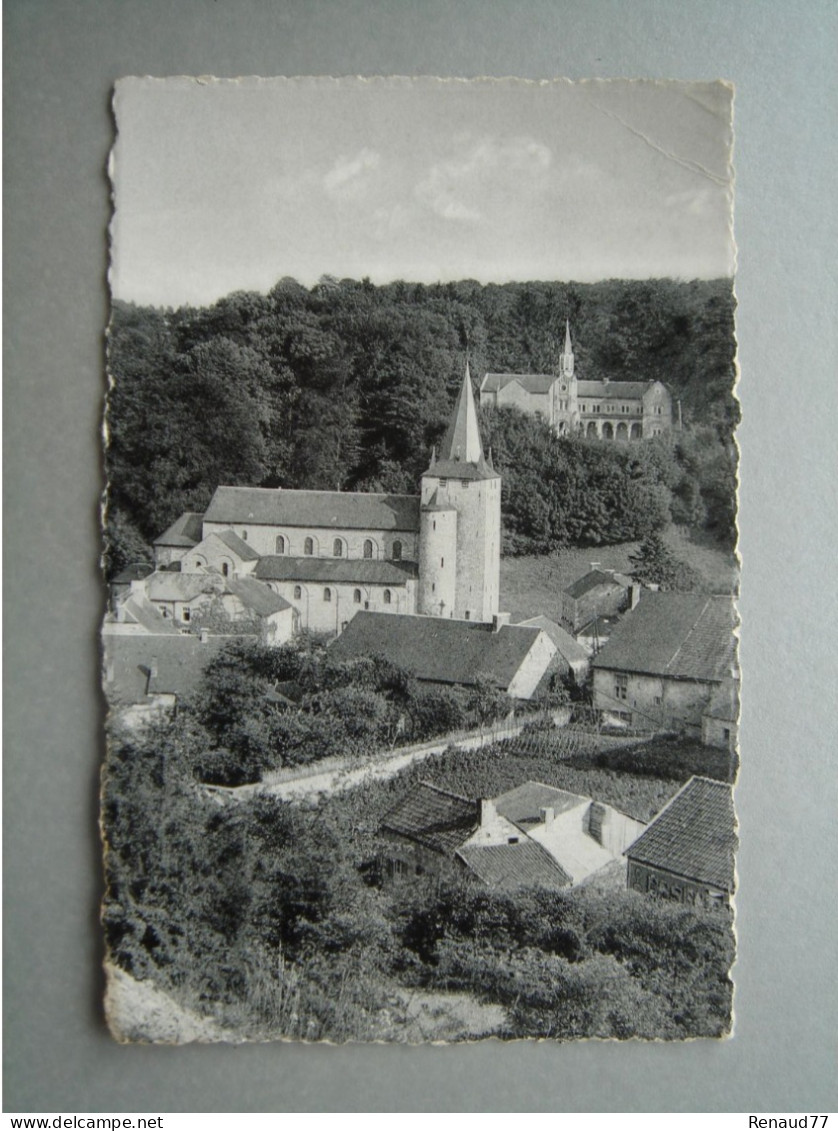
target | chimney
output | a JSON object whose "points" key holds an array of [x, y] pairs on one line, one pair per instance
{"points": [[152, 668], [634, 596], [594, 565], [499, 620], [487, 812], [548, 814]]}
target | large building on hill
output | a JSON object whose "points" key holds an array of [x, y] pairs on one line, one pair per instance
{"points": [[331, 554], [608, 410]]}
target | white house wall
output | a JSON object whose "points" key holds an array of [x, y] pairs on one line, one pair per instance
{"points": [[654, 702], [317, 614], [538, 660]]}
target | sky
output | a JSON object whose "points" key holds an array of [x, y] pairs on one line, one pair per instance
{"points": [[226, 185]]}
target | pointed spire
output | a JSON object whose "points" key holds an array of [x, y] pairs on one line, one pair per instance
{"points": [[462, 440], [568, 348], [433, 455]]}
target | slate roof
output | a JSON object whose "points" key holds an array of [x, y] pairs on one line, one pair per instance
{"points": [[522, 805], [613, 390], [461, 450], [142, 612], [338, 510], [679, 635], [278, 567], [456, 469], [693, 836], [532, 382], [570, 649], [257, 596], [186, 532], [238, 545], [442, 651], [179, 660], [434, 817], [166, 585], [593, 579], [506, 866]]}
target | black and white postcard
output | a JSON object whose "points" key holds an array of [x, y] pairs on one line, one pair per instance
{"points": [[420, 526]]}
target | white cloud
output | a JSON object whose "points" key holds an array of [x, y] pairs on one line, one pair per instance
{"points": [[348, 175], [453, 189]]}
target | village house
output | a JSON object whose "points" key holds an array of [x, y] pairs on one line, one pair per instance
{"points": [[598, 593], [665, 661], [687, 852], [232, 605], [607, 410], [514, 659], [572, 658], [333, 554], [533, 835], [146, 675]]}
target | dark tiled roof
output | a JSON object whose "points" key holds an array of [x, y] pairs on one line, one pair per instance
{"points": [[338, 510], [613, 390], [570, 649], [257, 596], [179, 662], [593, 579], [457, 469], [506, 866], [238, 545], [680, 635], [693, 836], [532, 382], [276, 567], [185, 532], [434, 817], [522, 805], [443, 651]]}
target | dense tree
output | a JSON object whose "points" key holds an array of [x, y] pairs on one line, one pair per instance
{"points": [[347, 386]]}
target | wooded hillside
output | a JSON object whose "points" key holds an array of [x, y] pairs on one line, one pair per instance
{"points": [[347, 385]]}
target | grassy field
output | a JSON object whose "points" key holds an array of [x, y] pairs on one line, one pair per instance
{"points": [[530, 586]]}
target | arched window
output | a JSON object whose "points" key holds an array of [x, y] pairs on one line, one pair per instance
{"points": [[356, 597], [337, 548], [225, 569], [367, 548], [298, 592], [397, 551], [280, 544], [327, 594], [308, 547], [388, 596]]}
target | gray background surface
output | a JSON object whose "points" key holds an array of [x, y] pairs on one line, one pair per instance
{"points": [[61, 61]]}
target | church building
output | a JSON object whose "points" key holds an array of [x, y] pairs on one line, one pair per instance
{"points": [[607, 410], [332, 554]]}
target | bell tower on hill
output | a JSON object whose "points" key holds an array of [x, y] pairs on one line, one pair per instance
{"points": [[459, 530]]}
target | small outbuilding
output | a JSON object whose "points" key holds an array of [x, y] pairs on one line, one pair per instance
{"points": [[687, 852]]}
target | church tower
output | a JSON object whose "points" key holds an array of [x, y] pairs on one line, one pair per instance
{"points": [[566, 390], [459, 531]]}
